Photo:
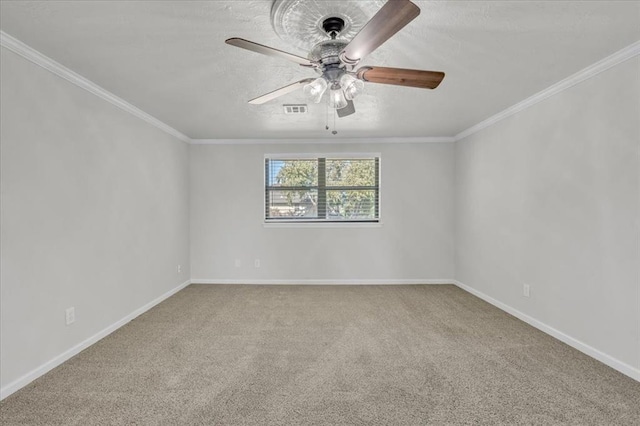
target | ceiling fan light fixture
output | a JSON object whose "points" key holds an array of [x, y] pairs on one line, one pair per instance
{"points": [[315, 89], [336, 52], [337, 98], [351, 85]]}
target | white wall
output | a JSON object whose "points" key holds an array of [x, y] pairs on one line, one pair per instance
{"points": [[550, 197], [415, 241], [94, 215]]}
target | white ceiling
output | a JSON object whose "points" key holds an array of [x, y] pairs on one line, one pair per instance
{"points": [[169, 59]]}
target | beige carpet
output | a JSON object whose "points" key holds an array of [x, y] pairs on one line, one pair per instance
{"points": [[293, 355]]}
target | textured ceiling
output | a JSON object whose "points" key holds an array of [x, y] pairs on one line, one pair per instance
{"points": [[169, 59]]}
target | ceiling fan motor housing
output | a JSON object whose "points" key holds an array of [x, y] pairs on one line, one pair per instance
{"points": [[326, 52]]}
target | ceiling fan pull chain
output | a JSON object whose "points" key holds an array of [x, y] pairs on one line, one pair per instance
{"points": [[327, 123], [334, 132]]}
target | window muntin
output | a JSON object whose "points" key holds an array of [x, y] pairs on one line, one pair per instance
{"points": [[322, 189]]}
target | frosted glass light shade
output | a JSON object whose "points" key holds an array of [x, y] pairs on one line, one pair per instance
{"points": [[337, 99], [351, 85], [315, 89]]}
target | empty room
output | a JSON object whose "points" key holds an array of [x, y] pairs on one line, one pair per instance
{"points": [[285, 212]]}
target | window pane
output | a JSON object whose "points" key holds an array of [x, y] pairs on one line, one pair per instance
{"points": [[351, 205], [351, 172], [292, 172], [293, 204], [347, 190]]}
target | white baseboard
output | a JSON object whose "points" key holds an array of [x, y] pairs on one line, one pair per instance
{"points": [[612, 362], [50, 365], [323, 281]]}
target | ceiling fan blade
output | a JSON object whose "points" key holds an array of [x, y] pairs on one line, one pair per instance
{"points": [[348, 110], [282, 91], [401, 77], [269, 51], [390, 19]]}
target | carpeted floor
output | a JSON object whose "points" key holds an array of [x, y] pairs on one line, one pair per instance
{"points": [[294, 355]]}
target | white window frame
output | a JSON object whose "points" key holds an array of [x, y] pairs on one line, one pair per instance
{"points": [[321, 223]]}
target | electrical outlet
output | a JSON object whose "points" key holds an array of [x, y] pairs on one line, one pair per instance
{"points": [[525, 290], [70, 315], [179, 268], [238, 263], [256, 263]]}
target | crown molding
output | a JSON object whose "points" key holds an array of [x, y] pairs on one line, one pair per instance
{"points": [[430, 139], [60, 70], [591, 71], [588, 72], [49, 64]]}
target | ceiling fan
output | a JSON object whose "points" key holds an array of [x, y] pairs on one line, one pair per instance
{"points": [[335, 60]]}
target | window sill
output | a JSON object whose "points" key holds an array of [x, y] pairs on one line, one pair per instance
{"points": [[292, 224]]}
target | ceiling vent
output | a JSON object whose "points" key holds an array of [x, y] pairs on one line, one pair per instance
{"points": [[295, 109]]}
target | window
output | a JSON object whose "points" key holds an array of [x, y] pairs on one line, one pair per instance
{"points": [[323, 189]]}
